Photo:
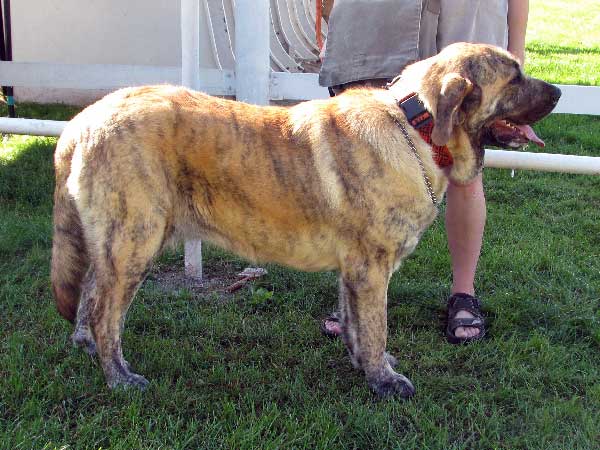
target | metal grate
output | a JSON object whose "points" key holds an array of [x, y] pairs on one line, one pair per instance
{"points": [[293, 40]]}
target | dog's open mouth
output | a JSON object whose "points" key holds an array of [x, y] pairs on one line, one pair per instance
{"points": [[503, 133]]}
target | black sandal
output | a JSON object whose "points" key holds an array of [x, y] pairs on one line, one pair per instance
{"points": [[464, 302], [333, 317]]}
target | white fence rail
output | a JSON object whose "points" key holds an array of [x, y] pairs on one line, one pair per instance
{"points": [[32, 127], [579, 100], [108, 76], [544, 162], [499, 159]]}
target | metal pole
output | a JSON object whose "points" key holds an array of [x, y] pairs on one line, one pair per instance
{"points": [[190, 43], [494, 159], [32, 127], [252, 61], [545, 162], [190, 77], [7, 56]]}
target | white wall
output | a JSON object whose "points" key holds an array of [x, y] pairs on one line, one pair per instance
{"points": [[145, 32]]}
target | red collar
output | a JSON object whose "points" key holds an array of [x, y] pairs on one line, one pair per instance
{"points": [[422, 121]]}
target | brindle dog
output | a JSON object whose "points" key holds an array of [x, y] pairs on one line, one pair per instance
{"points": [[324, 185]]}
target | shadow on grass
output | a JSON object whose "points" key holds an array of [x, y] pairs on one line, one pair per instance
{"points": [[42, 111], [26, 189], [26, 172], [555, 49], [26, 163]]}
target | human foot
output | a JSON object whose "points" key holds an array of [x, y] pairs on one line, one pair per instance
{"points": [[465, 319], [331, 326]]}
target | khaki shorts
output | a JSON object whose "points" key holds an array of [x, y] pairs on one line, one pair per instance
{"points": [[479, 21], [376, 39]]}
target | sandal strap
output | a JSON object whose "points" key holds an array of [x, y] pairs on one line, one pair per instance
{"points": [[335, 316], [467, 322], [474, 322], [464, 302]]}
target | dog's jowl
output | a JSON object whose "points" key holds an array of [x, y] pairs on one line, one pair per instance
{"points": [[345, 184]]}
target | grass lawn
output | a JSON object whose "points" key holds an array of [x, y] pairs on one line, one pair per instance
{"points": [[252, 371]]}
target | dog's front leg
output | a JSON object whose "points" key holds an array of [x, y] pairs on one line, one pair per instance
{"points": [[363, 305]]}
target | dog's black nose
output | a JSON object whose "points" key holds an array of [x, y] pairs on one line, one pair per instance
{"points": [[555, 94]]}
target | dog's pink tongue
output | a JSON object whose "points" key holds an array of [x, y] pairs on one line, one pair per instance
{"points": [[530, 134]]}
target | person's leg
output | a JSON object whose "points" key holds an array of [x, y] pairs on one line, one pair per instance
{"points": [[465, 222]]}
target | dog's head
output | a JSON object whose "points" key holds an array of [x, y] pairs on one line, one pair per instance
{"points": [[471, 90]]}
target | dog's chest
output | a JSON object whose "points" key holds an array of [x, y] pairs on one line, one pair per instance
{"points": [[402, 228]]}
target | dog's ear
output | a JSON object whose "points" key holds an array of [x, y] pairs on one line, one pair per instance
{"points": [[452, 93]]}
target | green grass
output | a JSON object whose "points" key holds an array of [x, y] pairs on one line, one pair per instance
{"points": [[563, 41], [254, 372]]}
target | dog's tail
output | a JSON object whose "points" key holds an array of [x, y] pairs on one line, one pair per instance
{"points": [[70, 259]]}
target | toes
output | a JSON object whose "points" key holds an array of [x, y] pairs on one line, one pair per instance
{"points": [[466, 332], [333, 327], [137, 381], [393, 384], [129, 380], [118, 374]]}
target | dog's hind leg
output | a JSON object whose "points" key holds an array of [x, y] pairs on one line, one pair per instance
{"points": [[82, 336], [363, 304], [127, 250]]}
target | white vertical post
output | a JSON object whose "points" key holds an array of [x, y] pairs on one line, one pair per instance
{"points": [[190, 43], [252, 60], [190, 77], [193, 259]]}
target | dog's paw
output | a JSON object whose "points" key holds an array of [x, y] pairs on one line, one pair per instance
{"points": [[82, 338], [119, 375], [392, 384], [128, 380]]}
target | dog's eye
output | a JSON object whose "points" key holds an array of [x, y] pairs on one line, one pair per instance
{"points": [[516, 79]]}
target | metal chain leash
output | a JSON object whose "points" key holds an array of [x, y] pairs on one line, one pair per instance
{"points": [[411, 145]]}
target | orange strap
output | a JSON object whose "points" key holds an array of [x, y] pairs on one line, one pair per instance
{"points": [[422, 121], [441, 154], [319, 17]]}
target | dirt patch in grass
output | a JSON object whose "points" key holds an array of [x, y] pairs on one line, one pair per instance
{"points": [[173, 279], [216, 280]]}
